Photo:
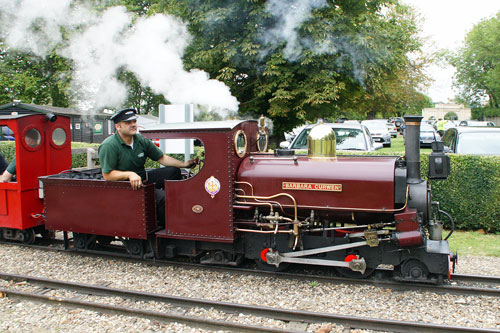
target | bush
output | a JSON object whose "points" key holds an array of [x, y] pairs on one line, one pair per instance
{"points": [[8, 150], [471, 194], [80, 160]]}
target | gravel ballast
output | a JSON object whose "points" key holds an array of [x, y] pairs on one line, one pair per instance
{"points": [[356, 300]]}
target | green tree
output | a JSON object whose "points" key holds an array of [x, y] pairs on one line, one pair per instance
{"points": [[350, 56], [143, 99], [477, 64], [33, 79]]}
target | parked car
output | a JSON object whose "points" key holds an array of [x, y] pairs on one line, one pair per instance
{"points": [[477, 123], [391, 127], [399, 122], [289, 136], [473, 140], [378, 131], [348, 137], [428, 135]]}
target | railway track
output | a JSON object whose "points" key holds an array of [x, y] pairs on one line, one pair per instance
{"points": [[460, 284], [54, 291]]}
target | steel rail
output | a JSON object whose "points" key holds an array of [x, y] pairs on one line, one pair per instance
{"points": [[476, 278], [133, 312], [279, 314], [397, 285]]}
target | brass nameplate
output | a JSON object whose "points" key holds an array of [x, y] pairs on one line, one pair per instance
{"points": [[312, 186]]}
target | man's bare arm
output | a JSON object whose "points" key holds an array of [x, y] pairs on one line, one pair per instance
{"points": [[170, 161], [135, 179]]}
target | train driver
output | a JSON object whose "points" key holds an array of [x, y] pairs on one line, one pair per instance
{"points": [[123, 155]]}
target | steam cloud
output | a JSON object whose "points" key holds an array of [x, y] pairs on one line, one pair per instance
{"points": [[290, 14], [101, 43]]}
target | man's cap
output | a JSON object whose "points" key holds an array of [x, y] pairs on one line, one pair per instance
{"points": [[124, 115]]}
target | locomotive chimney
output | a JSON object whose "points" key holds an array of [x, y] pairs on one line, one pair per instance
{"points": [[412, 148]]}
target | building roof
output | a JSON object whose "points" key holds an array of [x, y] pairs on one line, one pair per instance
{"points": [[14, 106]]}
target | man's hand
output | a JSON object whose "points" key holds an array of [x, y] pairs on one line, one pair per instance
{"points": [[135, 180], [191, 163]]}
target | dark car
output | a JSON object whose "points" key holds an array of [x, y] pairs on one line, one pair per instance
{"points": [[399, 122], [473, 140], [428, 135], [348, 137]]}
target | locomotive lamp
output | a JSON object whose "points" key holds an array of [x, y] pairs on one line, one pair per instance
{"points": [[439, 162]]}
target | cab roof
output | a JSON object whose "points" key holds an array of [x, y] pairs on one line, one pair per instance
{"points": [[197, 125]]}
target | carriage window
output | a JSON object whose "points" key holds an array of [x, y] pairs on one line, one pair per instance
{"points": [[59, 136], [240, 143], [33, 138], [6, 134]]}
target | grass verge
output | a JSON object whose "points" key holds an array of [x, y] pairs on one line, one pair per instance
{"points": [[474, 243]]}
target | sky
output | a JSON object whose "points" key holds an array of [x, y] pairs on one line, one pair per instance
{"points": [[446, 23]]}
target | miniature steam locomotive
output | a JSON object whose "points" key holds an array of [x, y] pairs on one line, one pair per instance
{"points": [[352, 213]]}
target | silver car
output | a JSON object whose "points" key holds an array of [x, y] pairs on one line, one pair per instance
{"points": [[378, 131], [348, 137], [477, 123], [428, 135], [472, 140]]}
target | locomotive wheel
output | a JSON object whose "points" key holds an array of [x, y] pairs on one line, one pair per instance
{"points": [[348, 273], [83, 241], [79, 241], [27, 236], [263, 265], [414, 269], [135, 247]]}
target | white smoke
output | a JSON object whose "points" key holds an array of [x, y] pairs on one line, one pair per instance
{"points": [[102, 43], [290, 15]]}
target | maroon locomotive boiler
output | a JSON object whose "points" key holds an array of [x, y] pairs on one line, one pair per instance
{"points": [[352, 213]]}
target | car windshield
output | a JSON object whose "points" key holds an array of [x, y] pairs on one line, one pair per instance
{"points": [[487, 143], [346, 139]]}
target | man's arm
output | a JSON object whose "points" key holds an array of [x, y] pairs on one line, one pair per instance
{"points": [[6, 177], [9, 173], [166, 160], [135, 179]]}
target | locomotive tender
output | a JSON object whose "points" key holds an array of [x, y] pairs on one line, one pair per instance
{"points": [[352, 213]]}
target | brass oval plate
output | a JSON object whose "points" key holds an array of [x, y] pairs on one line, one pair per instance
{"points": [[197, 209]]}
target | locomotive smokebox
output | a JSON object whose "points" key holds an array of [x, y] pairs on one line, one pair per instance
{"points": [[412, 148]]}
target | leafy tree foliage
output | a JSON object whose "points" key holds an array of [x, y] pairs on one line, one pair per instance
{"points": [[478, 64], [349, 57], [33, 79], [143, 99], [360, 58]]}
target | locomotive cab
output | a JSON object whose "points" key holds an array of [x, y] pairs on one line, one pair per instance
{"points": [[200, 208], [42, 147]]}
